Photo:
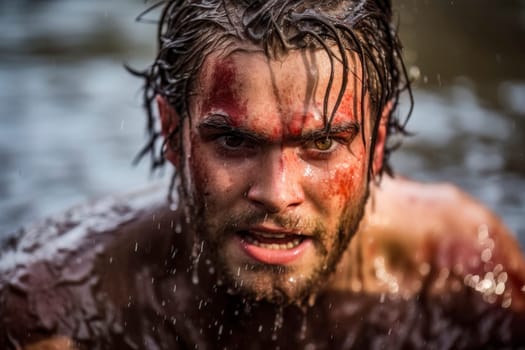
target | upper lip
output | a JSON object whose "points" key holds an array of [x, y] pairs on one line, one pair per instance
{"points": [[271, 229]]}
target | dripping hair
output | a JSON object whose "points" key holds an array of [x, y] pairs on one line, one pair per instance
{"points": [[190, 30]]}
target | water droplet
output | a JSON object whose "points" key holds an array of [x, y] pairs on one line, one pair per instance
{"points": [[195, 276], [500, 288], [278, 322], [486, 255], [424, 269], [195, 255], [506, 302], [311, 299], [483, 232], [502, 277], [308, 171], [302, 330], [414, 73]]}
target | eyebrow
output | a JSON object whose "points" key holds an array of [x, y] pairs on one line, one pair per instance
{"points": [[220, 122], [223, 123]]}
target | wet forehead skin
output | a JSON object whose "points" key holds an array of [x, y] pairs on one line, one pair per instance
{"points": [[297, 91]]}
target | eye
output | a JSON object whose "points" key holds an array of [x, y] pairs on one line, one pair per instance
{"points": [[321, 148], [323, 144], [232, 144], [233, 141]]}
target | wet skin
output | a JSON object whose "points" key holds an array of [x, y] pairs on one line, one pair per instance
{"points": [[125, 282], [277, 195], [272, 200]]}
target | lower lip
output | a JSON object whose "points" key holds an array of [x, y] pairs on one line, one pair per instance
{"points": [[275, 256]]}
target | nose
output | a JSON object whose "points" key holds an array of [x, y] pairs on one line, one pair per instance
{"points": [[277, 184]]}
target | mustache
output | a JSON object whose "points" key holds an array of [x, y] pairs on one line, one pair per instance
{"points": [[287, 222]]}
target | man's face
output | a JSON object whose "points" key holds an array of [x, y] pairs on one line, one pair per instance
{"points": [[277, 197]]}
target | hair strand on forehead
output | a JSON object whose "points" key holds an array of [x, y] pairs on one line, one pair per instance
{"points": [[347, 30]]}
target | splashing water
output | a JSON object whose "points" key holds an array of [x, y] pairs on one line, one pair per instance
{"points": [[278, 322], [195, 257]]}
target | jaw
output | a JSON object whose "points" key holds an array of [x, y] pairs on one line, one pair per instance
{"points": [[283, 284], [222, 260]]}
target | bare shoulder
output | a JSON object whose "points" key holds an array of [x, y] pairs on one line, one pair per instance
{"points": [[51, 274], [412, 230], [429, 207]]}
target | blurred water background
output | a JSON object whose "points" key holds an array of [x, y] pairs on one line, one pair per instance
{"points": [[71, 118]]}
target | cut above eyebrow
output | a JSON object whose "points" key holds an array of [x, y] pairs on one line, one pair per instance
{"points": [[223, 123]]}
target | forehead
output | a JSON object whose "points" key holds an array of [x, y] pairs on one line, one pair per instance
{"points": [[249, 86]]}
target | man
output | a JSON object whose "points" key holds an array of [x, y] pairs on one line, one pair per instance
{"points": [[284, 234]]}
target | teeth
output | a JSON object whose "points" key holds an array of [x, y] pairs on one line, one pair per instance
{"points": [[294, 243], [271, 235]]}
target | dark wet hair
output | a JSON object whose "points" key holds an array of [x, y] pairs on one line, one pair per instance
{"points": [[189, 30]]}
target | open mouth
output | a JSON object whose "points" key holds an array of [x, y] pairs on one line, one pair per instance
{"points": [[276, 248], [277, 241]]}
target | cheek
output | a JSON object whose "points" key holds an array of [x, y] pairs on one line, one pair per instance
{"points": [[201, 165], [345, 182], [212, 178]]}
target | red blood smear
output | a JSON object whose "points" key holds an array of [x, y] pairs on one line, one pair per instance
{"points": [[223, 93]]}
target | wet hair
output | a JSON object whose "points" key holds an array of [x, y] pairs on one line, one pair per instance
{"points": [[190, 30]]}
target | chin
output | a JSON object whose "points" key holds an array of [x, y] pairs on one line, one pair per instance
{"points": [[274, 284]]}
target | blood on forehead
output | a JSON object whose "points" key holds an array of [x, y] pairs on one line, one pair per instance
{"points": [[223, 91], [224, 82]]}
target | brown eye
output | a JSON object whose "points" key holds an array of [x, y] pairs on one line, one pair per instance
{"points": [[323, 144], [233, 141]]}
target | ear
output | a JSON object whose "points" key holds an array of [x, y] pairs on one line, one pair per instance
{"points": [[382, 132], [169, 121]]}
